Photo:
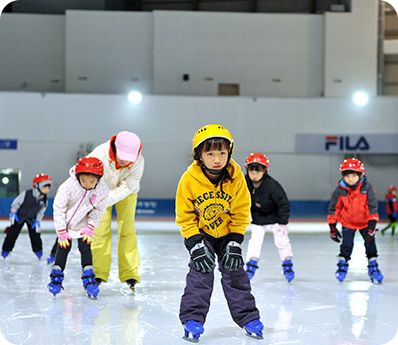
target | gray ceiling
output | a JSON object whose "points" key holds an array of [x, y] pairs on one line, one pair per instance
{"points": [[269, 6]]}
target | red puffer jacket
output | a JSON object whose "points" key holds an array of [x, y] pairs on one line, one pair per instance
{"points": [[354, 206]]}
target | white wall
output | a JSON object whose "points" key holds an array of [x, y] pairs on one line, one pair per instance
{"points": [[113, 52], [51, 127], [251, 50], [351, 50], [32, 51]]}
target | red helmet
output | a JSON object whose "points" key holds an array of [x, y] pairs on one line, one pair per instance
{"points": [[352, 164], [38, 179], [90, 165], [392, 188], [258, 158]]}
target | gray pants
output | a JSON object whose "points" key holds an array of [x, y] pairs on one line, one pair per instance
{"points": [[195, 301]]}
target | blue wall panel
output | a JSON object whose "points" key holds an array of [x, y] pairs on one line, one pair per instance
{"points": [[152, 208]]}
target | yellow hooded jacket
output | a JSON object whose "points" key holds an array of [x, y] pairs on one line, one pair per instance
{"points": [[201, 205]]}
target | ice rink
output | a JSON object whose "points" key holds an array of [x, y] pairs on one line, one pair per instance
{"points": [[313, 309]]}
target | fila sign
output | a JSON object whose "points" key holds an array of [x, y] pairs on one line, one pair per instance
{"points": [[354, 143]]}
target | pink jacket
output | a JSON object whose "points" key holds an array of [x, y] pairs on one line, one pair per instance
{"points": [[76, 207]]}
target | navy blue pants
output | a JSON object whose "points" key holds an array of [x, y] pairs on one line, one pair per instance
{"points": [[348, 244], [195, 302]]}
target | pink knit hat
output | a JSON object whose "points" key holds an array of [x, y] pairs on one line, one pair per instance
{"points": [[128, 146]]}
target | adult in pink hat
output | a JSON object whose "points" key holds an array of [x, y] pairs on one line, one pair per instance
{"points": [[123, 169], [128, 146]]}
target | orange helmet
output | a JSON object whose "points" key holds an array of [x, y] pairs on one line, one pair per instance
{"points": [[42, 180], [352, 164], [90, 165], [258, 158]]}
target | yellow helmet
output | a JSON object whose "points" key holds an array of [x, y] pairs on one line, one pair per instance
{"points": [[212, 131]]}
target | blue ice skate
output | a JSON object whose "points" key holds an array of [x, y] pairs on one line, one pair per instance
{"points": [[193, 327], [288, 270], [254, 329], [374, 272], [251, 268], [4, 254], [57, 277], [39, 254], [89, 283], [342, 268], [50, 259]]}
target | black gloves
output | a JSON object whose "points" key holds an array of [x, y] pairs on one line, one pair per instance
{"points": [[203, 259], [371, 231], [369, 234], [233, 259], [334, 233]]}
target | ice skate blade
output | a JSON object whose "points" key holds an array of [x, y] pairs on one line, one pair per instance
{"points": [[190, 339], [258, 336], [193, 339]]}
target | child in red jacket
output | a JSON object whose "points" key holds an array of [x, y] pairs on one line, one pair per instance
{"points": [[354, 204], [391, 209]]}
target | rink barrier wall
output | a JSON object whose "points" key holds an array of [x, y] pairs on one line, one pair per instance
{"points": [[165, 208]]}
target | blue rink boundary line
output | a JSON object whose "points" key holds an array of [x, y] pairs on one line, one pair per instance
{"points": [[165, 208], [164, 226]]}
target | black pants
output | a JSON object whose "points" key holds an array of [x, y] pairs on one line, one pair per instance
{"points": [[348, 244], [13, 233], [54, 248], [85, 251]]}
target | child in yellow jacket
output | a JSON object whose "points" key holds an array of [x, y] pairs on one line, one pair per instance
{"points": [[213, 209]]}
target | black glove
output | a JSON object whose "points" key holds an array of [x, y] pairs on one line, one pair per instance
{"points": [[203, 259], [233, 259], [371, 231], [334, 233]]}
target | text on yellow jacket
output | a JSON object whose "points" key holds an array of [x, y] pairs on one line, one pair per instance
{"points": [[202, 205]]}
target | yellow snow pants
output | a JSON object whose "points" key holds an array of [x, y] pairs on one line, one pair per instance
{"points": [[128, 256]]}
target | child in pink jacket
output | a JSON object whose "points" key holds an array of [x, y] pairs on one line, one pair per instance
{"points": [[79, 205]]}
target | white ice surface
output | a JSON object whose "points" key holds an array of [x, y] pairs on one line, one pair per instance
{"points": [[313, 309]]}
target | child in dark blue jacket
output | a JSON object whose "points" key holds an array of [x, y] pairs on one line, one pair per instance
{"points": [[28, 207]]}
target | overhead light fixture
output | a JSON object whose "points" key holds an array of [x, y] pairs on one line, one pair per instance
{"points": [[135, 97], [360, 98]]}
